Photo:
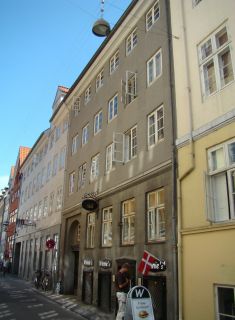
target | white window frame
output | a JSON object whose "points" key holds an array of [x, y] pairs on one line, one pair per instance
{"points": [[40, 209], [214, 57], [109, 158], [72, 182], [152, 61], [128, 217], [75, 143], [51, 202], [82, 172], [76, 105], [85, 134], [59, 198], [131, 41], [213, 213], [87, 97], [157, 129], [114, 62], [131, 145], [90, 234], [99, 80], [45, 207], [218, 314], [112, 111], [98, 120], [151, 14], [107, 226], [155, 213], [94, 173]]}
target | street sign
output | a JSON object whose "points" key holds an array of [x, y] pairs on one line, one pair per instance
{"points": [[139, 304]]}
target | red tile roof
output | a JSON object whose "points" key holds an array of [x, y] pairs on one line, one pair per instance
{"points": [[63, 89]]}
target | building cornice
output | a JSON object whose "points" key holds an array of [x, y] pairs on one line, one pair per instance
{"points": [[206, 129], [212, 227], [126, 184]]}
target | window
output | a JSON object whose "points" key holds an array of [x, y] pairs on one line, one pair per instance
{"points": [[98, 122], [99, 80], [65, 124], [39, 209], [131, 42], [39, 180], [45, 207], [113, 108], [156, 228], [59, 198], [82, 175], [156, 126], [55, 252], [48, 170], [88, 95], [55, 165], [51, 202], [225, 302], [50, 145], [109, 158], [215, 62], [35, 214], [152, 16], [220, 182], [85, 134], [62, 157], [131, 144], [114, 62], [128, 222], [107, 227], [94, 168], [91, 230], [75, 142], [71, 182], [57, 133], [76, 106], [154, 67]]}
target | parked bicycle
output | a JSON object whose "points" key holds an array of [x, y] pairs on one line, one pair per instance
{"points": [[37, 279], [46, 282]]}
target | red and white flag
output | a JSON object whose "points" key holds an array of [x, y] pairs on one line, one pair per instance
{"points": [[146, 263]]}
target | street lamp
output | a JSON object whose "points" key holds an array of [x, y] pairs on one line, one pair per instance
{"points": [[101, 27]]}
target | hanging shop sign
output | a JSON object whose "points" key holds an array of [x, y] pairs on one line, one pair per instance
{"points": [[90, 201], [139, 304], [50, 244], [88, 262], [158, 266], [105, 264]]}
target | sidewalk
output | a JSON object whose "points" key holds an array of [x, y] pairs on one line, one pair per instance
{"points": [[71, 303]]}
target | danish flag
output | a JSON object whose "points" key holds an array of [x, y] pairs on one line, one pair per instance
{"points": [[146, 263]]}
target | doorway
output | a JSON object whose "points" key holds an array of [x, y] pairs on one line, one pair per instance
{"points": [[104, 291], [75, 271], [87, 287], [157, 287], [17, 258]]}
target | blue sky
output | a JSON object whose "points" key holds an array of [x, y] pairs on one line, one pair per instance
{"points": [[44, 44]]}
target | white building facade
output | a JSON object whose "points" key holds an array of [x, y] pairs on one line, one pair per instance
{"points": [[39, 217]]}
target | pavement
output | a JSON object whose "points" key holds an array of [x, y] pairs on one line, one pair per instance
{"points": [[19, 300]]}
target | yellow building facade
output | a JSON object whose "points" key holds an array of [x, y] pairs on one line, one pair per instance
{"points": [[203, 40]]}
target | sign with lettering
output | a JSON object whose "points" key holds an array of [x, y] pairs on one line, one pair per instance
{"points": [[88, 262], [158, 266], [105, 264], [139, 304]]}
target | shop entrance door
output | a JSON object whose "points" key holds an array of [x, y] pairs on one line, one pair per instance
{"points": [[157, 287], [75, 272], [87, 287], [104, 291]]}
